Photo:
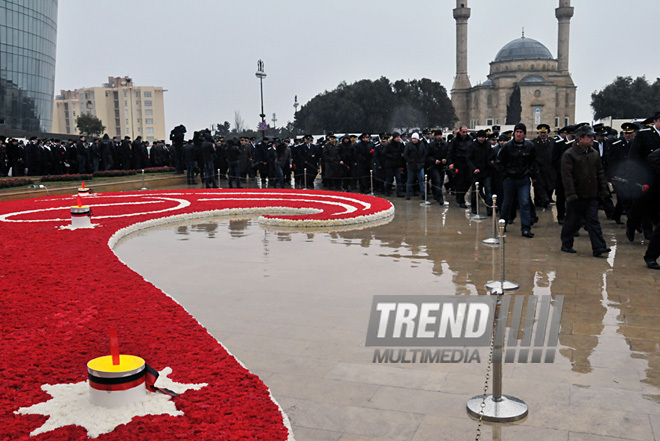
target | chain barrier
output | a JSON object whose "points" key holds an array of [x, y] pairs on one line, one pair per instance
{"points": [[489, 369]]}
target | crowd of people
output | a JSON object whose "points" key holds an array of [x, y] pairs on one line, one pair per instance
{"points": [[40, 157], [579, 169]]}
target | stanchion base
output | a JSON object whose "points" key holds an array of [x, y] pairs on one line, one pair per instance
{"points": [[506, 410], [478, 217], [491, 241], [496, 285], [426, 203], [144, 189]]}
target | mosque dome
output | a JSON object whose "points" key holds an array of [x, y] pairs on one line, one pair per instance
{"points": [[523, 49], [533, 79]]}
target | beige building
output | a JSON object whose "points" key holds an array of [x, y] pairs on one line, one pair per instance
{"points": [[547, 91], [124, 108]]}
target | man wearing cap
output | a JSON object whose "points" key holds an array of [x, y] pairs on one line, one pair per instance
{"points": [[644, 206], [364, 151], [566, 140], [415, 155], [584, 180], [517, 163], [392, 157], [457, 159], [617, 171], [479, 167], [545, 180], [331, 166], [603, 146]]}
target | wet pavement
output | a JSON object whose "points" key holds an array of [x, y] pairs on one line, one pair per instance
{"points": [[294, 308]]}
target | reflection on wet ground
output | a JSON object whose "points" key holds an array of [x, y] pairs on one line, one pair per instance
{"points": [[294, 307]]}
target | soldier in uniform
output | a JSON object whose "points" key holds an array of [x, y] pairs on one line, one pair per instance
{"points": [[566, 139], [617, 170], [545, 180], [602, 144], [640, 173]]}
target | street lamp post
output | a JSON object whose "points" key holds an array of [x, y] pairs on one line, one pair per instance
{"points": [[261, 75]]}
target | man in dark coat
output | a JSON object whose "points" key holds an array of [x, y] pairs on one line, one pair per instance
{"points": [[81, 154], [517, 163], [639, 174], [617, 170], [545, 179], [457, 159], [364, 151], [584, 181], [125, 153], [414, 153], [478, 162], [565, 141], [208, 154], [436, 159], [106, 152]]}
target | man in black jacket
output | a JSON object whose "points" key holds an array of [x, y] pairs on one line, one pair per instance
{"points": [[516, 161], [457, 159], [436, 160], [479, 168], [584, 181]]}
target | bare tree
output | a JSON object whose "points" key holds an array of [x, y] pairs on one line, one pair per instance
{"points": [[239, 124]]}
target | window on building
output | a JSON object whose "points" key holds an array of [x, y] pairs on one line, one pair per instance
{"points": [[128, 132], [556, 121], [489, 122], [125, 112], [125, 103], [118, 132], [139, 120], [150, 130], [139, 129], [137, 103], [566, 121], [150, 138], [497, 121], [116, 113], [74, 113], [126, 121], [148, 112], [115, 95], [125, 94], [147, 94], [149, 121], [138, 112], [147, 103], [117, 122], [137, 94]]}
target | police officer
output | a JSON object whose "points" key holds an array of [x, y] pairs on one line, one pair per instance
{"points": [[545, 180]]}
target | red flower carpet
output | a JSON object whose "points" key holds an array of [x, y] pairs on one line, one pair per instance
{"points": [[63, 289]]}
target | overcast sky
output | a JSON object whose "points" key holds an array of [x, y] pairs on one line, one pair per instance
{"points": [[205, 52]]}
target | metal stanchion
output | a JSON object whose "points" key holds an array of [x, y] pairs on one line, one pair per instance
{"points": [[477, 217], [219, 180], [305, 179], [497, 408], [426, 202], [493, 240], [371, 175], [143, 185], [496, 286]]}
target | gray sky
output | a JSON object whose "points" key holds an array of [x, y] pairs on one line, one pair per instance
{"points": [[205, 52]]}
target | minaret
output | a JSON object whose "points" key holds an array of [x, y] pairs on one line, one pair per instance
{"points": [[460, 89], [563, 13]]}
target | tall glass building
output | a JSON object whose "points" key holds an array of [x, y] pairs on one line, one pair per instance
{"points": [[28, 36]]}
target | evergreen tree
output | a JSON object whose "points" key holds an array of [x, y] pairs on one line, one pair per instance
{"points": [[514, 108]]}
